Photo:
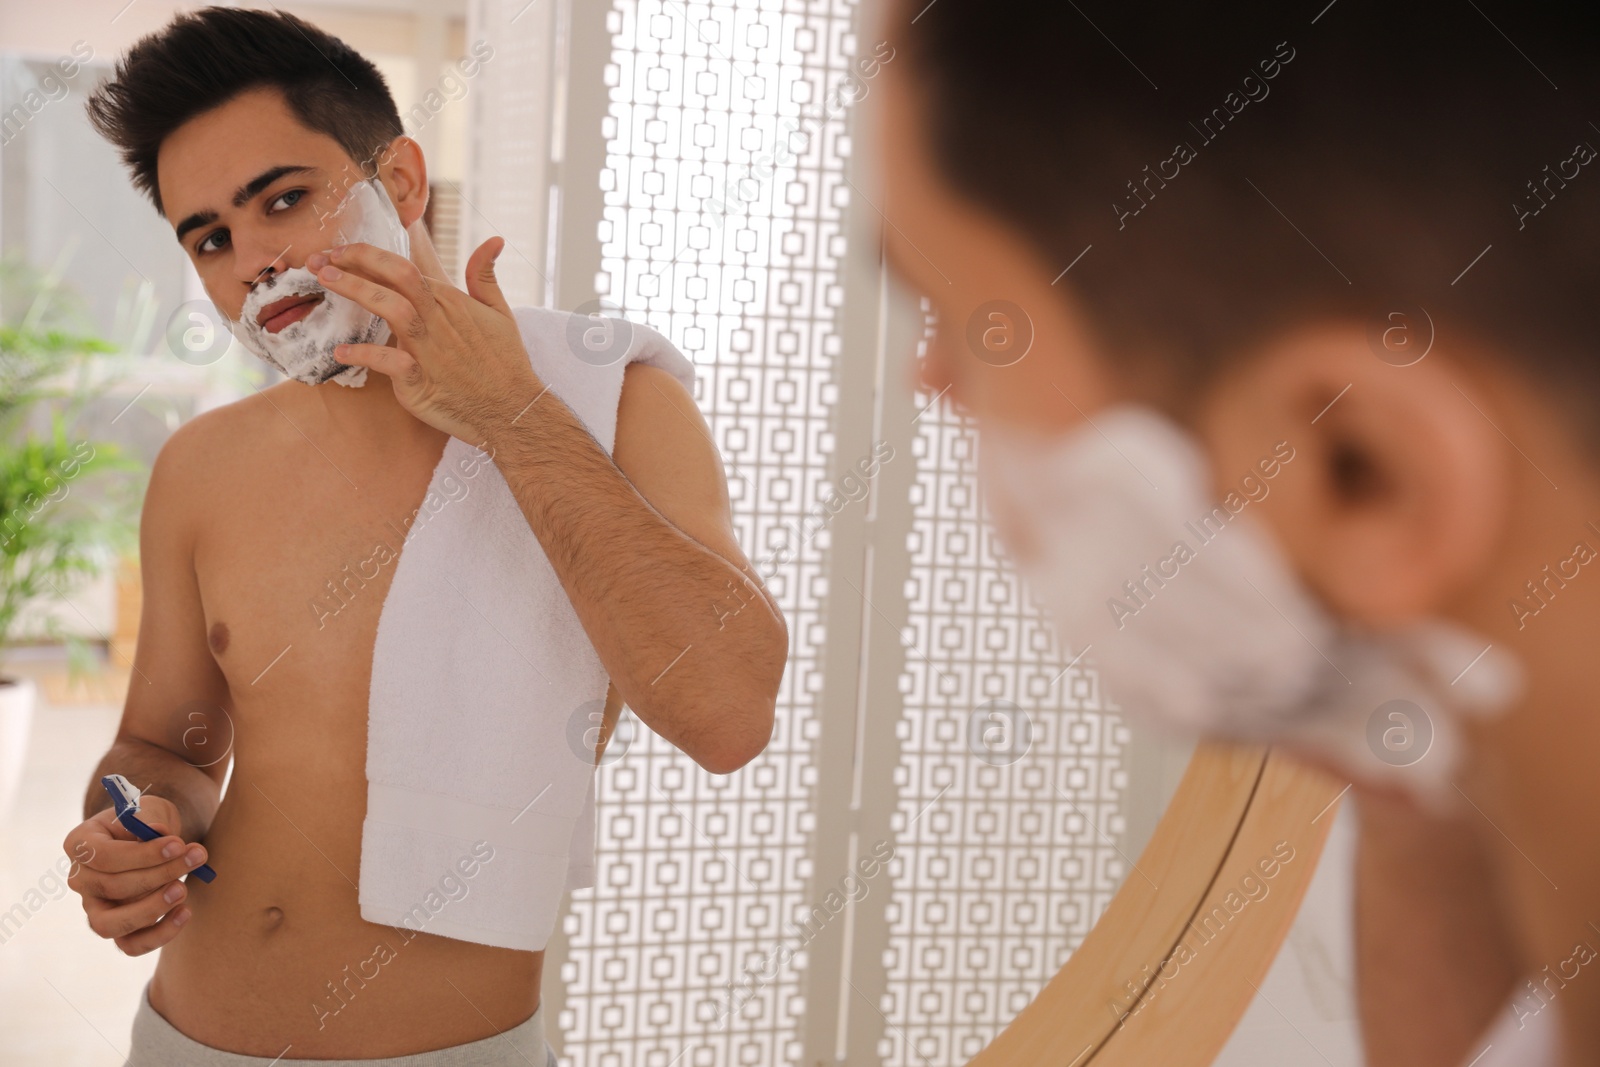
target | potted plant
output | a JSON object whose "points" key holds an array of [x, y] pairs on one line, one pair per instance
{"points": [[55, 532]]}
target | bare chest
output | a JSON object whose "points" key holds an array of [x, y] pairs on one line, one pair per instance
{"points": [[294, 563]]}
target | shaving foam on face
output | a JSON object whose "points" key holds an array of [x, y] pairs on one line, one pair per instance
{"points": [[1198, 621], [304, 350]]}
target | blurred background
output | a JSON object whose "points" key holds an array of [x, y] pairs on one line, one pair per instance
{"points": [[696, 166]]}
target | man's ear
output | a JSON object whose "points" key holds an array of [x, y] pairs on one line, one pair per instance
{"points": [[404, 173], [1397, 493]]}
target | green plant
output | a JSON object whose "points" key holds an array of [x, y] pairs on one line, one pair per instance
{"points": [[52, 536]]}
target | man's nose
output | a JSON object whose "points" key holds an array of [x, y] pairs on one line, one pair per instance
{"points": [[931, 374], [255, 260]]}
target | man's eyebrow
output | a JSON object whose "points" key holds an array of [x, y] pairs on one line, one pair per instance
{"points": [[199, 218], [247, 191], [243, 194]]}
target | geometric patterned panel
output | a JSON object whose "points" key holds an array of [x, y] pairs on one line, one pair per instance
{"points": [[724, 197], [1010, 779]]}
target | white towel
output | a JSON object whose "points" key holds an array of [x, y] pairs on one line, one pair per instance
{"points": [[480, 806], [1526, 1033]]}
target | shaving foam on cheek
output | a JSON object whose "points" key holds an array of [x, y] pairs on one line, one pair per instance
{"points": [[1198, 621], [304, 350]]}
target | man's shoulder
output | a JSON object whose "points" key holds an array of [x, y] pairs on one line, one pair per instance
{"points": [[243, 426], [215, 449]]}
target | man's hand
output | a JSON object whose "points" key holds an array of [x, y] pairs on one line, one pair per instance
{"points": [[460, 365], [130, 888], [1435, 956]]}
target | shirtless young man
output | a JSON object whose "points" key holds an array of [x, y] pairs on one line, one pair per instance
{"points": [[245, 130], [1367, 230]]}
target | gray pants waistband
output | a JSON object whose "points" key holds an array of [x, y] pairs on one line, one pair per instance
{"points": [[157, 1043]]}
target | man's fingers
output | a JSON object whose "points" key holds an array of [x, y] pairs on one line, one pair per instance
{"points": [[482, 285], [118, 832], [86, 841], [153, 937], [112, 856], [388, 269], [101, 843], [114, 920], [134, 882], [386, 303], [381, 358]]}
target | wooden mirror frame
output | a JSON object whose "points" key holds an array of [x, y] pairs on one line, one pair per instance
{"points": [[1148, 985]]}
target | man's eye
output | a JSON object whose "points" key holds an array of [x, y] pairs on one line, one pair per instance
{"points": [[212, 242], [288, 199]]}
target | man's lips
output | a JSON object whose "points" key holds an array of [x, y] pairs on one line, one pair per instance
{"points": [[291, 309]]}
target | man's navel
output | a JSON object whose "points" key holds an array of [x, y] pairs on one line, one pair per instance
{"points": [[219, 638], [271, 919]]}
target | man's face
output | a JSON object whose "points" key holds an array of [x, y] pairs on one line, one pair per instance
{"points": [[246, 187], [1009, 346]]}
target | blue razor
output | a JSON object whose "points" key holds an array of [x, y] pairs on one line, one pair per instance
{"points": [[125, 796]]}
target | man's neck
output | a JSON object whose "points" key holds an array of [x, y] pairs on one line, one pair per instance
{"points": [[1532, 776], [366, 416]]}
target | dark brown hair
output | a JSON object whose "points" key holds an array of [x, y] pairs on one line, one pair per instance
{"points": [[205, 58], [1241, 167]]}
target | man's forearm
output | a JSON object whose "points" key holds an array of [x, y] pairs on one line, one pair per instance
{"points": [[692, 643], [161, 773], [1433, 958]]}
